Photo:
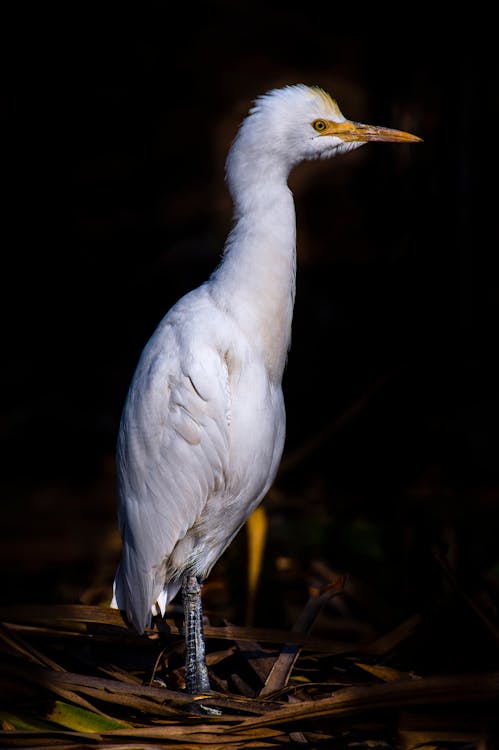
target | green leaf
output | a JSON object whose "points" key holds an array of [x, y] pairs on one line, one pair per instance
{"points": [[10, 721], [81, 720]]}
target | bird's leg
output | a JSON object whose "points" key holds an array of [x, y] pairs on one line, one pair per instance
{"points": [[196, 672]]}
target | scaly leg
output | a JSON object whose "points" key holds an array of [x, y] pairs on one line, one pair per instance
{"points": [[196, 672]]}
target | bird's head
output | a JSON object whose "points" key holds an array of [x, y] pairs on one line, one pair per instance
{"points": [[298, 123]]}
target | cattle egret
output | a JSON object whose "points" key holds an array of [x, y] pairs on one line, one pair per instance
{"points": [[203, 425]]}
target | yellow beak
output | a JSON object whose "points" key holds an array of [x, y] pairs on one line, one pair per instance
{"points": [[356, 131]]}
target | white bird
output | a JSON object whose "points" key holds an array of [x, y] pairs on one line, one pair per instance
{"points": [[203, 425]]}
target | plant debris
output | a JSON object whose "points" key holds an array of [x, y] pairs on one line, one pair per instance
{"points": [[76, 677]]}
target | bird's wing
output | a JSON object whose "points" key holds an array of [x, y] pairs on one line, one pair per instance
{"points": [[173, 452]]}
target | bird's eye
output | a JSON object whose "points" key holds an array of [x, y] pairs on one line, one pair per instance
{"points": [[319, 125]]}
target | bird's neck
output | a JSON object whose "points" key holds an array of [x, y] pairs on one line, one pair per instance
{"points": [[255, 281]]}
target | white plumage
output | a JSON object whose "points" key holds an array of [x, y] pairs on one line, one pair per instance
{"points": [[203, 426]]}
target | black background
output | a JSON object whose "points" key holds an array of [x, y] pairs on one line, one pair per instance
{"points": [[116, 126]]}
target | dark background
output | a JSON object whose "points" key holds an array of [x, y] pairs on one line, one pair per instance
{"points": [[116, 127]]}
